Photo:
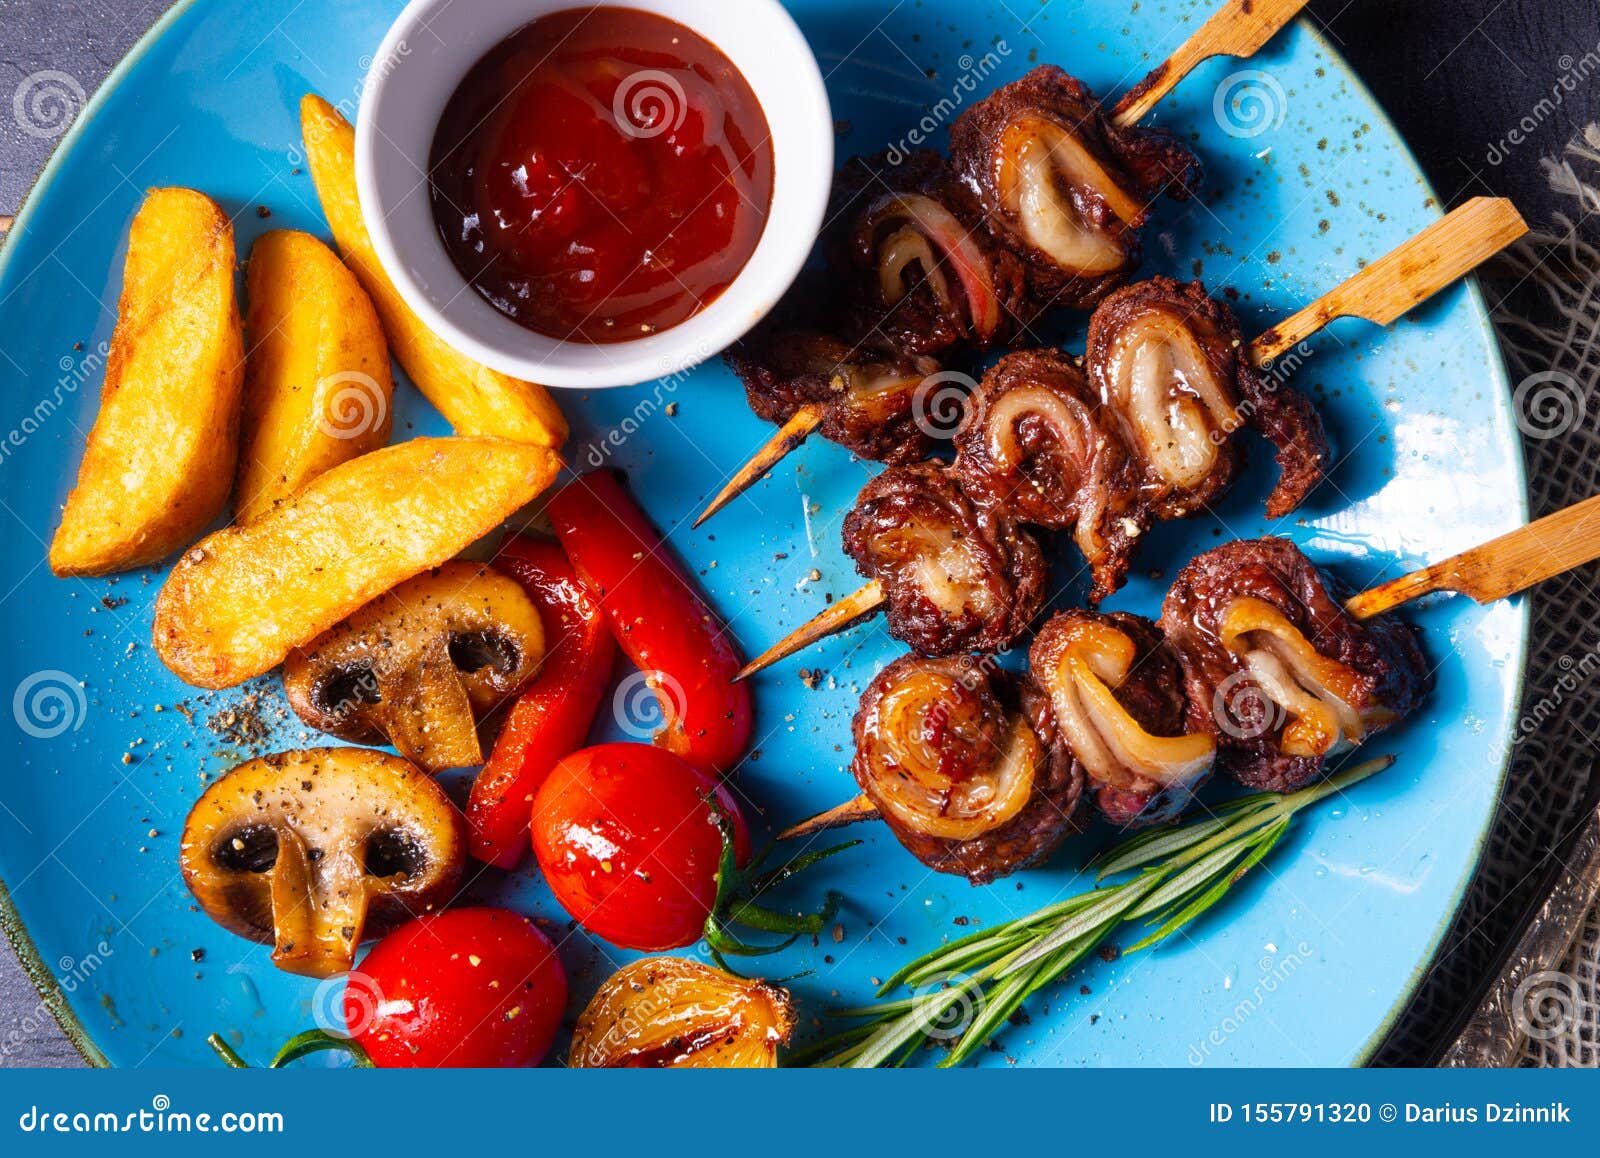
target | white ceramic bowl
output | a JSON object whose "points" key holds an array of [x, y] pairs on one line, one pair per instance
{"points": [[431, 47]]}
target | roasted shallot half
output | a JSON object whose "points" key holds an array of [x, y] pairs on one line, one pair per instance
{"points": [[961, 760], [1277, 669], [673, 1013], [1061, 186], [1171, 365], [312, 851], [421, 666], [1117, 696], [957, 577]]}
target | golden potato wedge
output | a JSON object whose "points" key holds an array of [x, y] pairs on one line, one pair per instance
{"points": [[238, 602], [317, 386], [473, 398], [159, 461]]}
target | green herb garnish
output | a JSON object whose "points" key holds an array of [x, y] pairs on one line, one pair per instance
{"points": [[964, 991]]}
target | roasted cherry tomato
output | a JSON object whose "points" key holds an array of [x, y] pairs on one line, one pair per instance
{"points": [[630, 844], [466, 988], [553, 715], [658, 619]]}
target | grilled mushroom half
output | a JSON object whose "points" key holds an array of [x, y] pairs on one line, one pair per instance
{"points": [[421, 666], [312, 851]]}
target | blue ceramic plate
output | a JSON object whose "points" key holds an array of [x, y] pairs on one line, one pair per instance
{"points": [[105, 751]]}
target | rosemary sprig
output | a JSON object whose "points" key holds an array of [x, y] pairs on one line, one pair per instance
{"points": [[965, 990]]}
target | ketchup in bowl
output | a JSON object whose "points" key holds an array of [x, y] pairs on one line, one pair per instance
{"points": [[602, 174]]}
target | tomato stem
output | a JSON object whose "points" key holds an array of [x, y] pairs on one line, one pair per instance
{"points": [[739, 893], [299, 1046]]}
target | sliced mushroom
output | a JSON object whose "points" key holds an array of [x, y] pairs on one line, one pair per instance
{"points": [[422, 666], [312, 851], [672, 1013]]}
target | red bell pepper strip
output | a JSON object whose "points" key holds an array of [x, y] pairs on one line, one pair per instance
{"points": [[552, 716], [659, 620]]}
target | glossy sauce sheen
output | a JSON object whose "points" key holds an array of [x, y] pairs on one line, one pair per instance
{"points": [[602, 175]]}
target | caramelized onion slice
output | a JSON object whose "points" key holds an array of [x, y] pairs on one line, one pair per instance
{"points": [[876, 391], [1170, 398], [1074, 433], [1322, 696], [943, 766], [1109, 742], [671, 1013], [1062, 416], [927, 227], [944, 568], [1040, 163]]}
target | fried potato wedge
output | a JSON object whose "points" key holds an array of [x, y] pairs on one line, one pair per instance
{"points": [[317, 386], [238, 602], [159, 461], [473, 398]]}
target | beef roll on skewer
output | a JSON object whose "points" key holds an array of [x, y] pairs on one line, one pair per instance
{"points": [[1036, 441], [1171, 366], [1063, 187], [1168, 360], [919, 272], [1276, 668], [962, 762], [957, 576], [865, 394]]}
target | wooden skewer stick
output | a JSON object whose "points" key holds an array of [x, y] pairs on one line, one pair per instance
{"points": [[1514, 562], [789, 436], [835, 619], [1238, 28], [1497, 569], [1407, 276], [851, 811], [1403, 278]]}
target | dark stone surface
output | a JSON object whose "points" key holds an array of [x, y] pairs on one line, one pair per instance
{"points": [[1459, 77]]}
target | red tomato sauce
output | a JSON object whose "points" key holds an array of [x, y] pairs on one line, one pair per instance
{"points": [[602, 174]]}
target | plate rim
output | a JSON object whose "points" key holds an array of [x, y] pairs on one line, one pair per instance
{"points": [[49, 988]]}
